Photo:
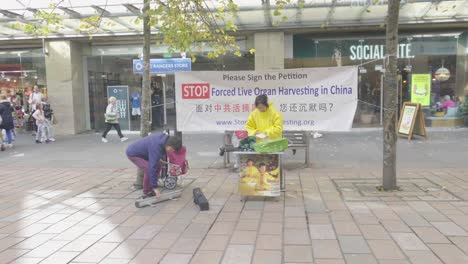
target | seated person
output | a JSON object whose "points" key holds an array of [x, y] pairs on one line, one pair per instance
{"points": [[264, 179], [250, 173], [447, 103]]}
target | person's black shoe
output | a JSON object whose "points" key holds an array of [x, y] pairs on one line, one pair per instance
{"points": [[148, 195], [47, 141], [222, 151], [2, 147], [38, 142]]}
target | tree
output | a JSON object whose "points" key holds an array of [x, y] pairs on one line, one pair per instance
{"points": [[390, 97]]}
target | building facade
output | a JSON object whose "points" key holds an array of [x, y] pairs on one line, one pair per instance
{"points": [[75, 71]]}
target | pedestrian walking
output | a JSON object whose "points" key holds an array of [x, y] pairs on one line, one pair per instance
{"points": [[43, 129], [112, 120], [7, 119]]}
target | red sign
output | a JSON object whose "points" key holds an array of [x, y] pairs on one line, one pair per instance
{"points": [[196, 91]]}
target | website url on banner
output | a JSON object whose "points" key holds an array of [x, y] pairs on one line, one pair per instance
{"points": [[237, 122]]}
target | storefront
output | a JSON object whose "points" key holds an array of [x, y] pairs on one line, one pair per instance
{"points": [[20, 70], [427, 54], [113, 66]]}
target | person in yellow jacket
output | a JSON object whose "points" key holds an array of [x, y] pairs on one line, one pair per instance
{"points": [[265, 119], [264, 178], [250, 173]]}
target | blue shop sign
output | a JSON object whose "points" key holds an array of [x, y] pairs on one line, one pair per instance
{"points": [[164, 65]]}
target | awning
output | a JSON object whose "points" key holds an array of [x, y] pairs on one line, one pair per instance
{"points": [[120, 15]]}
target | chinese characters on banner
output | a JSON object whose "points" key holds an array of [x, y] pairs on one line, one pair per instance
{"points": [[121, 94], [322, 99]]}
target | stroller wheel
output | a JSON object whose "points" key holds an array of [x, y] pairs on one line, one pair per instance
{"points": [[170, 183]]}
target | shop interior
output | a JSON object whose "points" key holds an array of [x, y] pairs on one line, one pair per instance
{"points": [[425, 55], [117, 69], [20, 70]]}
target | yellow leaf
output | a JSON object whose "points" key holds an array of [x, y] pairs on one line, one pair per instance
{"points": [[252, 51]]}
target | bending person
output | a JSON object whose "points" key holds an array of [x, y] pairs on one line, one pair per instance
{"points": [[146, 154]]}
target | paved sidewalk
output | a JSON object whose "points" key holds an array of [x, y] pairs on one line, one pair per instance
{"points": [[326, 216]]}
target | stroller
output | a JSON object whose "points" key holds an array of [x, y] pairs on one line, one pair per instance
{"points": [[173, 168]]}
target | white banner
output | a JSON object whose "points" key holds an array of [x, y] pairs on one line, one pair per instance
{"points": [[318, 99]]}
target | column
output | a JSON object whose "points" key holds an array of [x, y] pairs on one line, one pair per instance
{"points": [[65, 86], [269, 50]]}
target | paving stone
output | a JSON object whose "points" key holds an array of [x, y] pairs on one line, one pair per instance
{"points": [[342, 215], [423, 257], [72, 233], [326, 249], [271, 228], [269, 242], [96, 252], [449, 253], [329, 261], [46, 249], [128, 249], [296, 237], [297, 254], [114, 261], [8, 242], [163, 240], [360, 259], [215, 242], [176, 259], [252, 215], [222, 228], [353, 245], [204, 257], [60, 257], [24, 260], [393, 261], [385, 249], [318, 219], [228, 216], [272, 217], [238, 254], [185, 245], [81, 243], [396, 227], [344, 228], [374, 232], [430, 235], [449, 229], [461, 242], [295, 222], [243, 238], [119, 234], [409, 241], [34, 241], [248, 225], [321, 232], [149, 256], [146, 232], [11, 254], [267, 256]]}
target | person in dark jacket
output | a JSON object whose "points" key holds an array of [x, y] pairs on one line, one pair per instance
{"points": [[7, 118], [146, 154]]}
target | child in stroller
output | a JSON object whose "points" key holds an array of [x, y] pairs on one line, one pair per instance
{"points": [[173, 168]]}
